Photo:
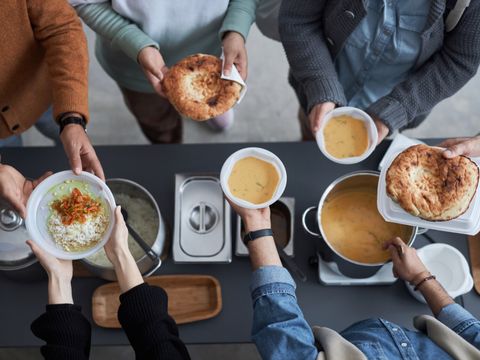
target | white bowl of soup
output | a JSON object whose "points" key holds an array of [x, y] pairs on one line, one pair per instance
{"points": [[347, 135], [253, 178]]}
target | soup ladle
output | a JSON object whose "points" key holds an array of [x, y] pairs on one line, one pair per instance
{"points": [[148, 250]]}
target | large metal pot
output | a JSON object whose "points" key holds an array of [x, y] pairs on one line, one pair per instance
{"points": [[146, 265], [347, 267], [17, 260]]}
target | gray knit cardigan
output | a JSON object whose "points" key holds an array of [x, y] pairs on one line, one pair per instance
{"points": [[314, 31]]}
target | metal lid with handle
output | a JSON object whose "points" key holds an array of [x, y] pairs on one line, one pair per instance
{"points": [[15, 254]]}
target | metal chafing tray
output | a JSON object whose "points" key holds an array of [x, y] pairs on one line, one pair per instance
{"points": [[202, 227], [282, 216]]}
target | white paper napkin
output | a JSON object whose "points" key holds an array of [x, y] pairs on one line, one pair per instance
{"points": [[234, 76]]}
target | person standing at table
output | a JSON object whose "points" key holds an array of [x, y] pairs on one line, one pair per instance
{"points": [[143, 314], [44, 77], [394, 59], [138, 41], [280, 330]]}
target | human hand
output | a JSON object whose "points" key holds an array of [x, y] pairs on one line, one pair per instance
{"points": [[153, 66], [235, 53], [79, 151], [16, 189], [60, 274], [382, 129], [253, 219], [126, 269], [117, 245], [317, 114], [468, 146], [406, 263]]}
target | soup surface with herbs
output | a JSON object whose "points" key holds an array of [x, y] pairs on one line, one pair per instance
{"points": [[355, 228], [345, 137], [253, 180]]}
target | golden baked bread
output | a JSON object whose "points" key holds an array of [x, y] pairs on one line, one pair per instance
{"points": [[427, 185], [195, 88]]}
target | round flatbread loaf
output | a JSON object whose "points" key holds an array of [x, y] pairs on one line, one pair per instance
{"points": [[195, 88], [427, 185]]}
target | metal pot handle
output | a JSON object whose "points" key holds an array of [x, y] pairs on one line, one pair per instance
{"points": [[155, 268], [304, 221], [421, 230]]}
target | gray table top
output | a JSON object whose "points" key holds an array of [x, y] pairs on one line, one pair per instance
{"points": [[154, 167]]}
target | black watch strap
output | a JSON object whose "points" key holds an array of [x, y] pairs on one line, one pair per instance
{"points": [[72, 120], [252, 235]]}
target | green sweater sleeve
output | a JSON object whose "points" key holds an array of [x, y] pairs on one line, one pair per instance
{"points": [[122, 33], [240, 16]]}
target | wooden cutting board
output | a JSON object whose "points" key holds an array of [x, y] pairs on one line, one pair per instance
{"points": [[190, 298], [474, 252]]}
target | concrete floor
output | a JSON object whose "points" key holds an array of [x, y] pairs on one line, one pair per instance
{"points": [[268, 113]]}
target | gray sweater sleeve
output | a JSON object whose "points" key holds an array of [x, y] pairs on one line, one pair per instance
{"points": [[440, 77], [301, 32]]}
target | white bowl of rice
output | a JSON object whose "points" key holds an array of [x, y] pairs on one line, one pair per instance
{"points": [[71, 216]]}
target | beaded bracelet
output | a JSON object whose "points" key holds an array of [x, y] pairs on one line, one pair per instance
{"points": [[431, 277]]}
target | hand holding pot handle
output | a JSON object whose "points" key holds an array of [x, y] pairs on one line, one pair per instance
{"points": [[406, 263]]}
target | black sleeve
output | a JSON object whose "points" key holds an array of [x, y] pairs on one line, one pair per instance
{"points": [[152, 333], [65, 330]]}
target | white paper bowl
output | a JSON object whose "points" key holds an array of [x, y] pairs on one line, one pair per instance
{"points": [[357, 114], [450, 268], [38, 211], [261, 154]]}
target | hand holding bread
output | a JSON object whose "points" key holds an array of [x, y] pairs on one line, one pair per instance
{"points": [[153, 65], [468, 146]]}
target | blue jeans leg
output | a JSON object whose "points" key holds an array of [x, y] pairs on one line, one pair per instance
{"points": [[48, 127], [15, 140]]}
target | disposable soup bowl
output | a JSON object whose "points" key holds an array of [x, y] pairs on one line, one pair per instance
{"points": [[357, 114], [261, 154]]}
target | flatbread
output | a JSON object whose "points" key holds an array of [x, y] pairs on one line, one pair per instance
{"points": [[195, 88], [427, 185]]}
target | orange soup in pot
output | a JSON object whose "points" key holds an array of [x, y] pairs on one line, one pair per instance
{"points": [[354, 228]]}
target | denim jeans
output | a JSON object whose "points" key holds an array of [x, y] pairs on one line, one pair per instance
{"points": [[45, 124], [280, 330]]}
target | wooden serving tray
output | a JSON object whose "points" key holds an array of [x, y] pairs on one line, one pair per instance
{"points": [[474, 252], [190, 298]]}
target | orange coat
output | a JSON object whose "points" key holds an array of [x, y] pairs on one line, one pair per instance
{"points": [[43, 61]]}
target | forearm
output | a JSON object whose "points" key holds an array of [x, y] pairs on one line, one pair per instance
{"points": [[279, 328], [65, 331], [262, 251], [311, 64], [57, 28], [126, 269], [433, 292], [152, 333], [59, 290], [441, 76], [110, 25], [240, 17]]}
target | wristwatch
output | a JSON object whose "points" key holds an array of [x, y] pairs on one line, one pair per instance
{"points": [[252, 235], [72, 120]]}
